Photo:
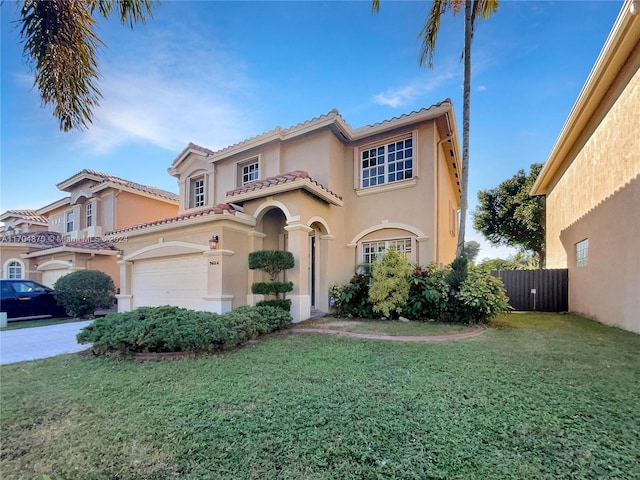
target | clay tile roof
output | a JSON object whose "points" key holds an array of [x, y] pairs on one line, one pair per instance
{"points": [[219, 209], [279, 180], [27, 215], [40, 239], [105, 177]]}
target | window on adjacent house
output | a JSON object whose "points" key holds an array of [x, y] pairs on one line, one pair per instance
{"points": [[250, 172], [196, 192], [372, 252], [14, 270], [89, 214], [388, 163], [582, 253], [69, 221]]}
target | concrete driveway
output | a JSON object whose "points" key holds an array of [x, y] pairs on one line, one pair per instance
{"points": [[40, 342]]}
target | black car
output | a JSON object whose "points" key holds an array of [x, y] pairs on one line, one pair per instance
{"points": [[26, 298]]}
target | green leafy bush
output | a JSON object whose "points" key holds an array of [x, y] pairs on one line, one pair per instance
{"points": [[283, 303], [482, 295], [83, 292], [271, 288], [390, 286], [271, 261], [477, 297], [174, 329], [428, 293], [352, 299]]}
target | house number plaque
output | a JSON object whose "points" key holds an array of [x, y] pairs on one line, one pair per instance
{"points": [[214, 262]]}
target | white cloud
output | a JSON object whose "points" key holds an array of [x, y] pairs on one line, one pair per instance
{"points": [[168, 96], [481, 88], [401, 96]]}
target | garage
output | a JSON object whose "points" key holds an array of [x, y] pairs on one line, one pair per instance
{"points": [[179, 281], [50, 277]]}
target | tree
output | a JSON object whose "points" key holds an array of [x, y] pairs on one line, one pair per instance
{"points": [[509, 215], [471, 250], [429, 33], [60, 44]]}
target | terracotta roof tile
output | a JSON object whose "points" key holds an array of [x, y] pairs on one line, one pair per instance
{"points": [[27, 215], [126, 183], [217, 210], [279, 180], [49, 240]]}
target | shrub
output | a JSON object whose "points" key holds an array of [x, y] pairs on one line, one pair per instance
{"points": [[428, 293], [174, 329], [352, 299], [271, 288], [283, 303], [482, 296], [389, 290], [271, 261], [83, 292]]}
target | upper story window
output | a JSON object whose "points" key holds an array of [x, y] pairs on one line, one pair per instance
{"points": [[250, 172], [387, 163], [582, 253], [372, 252], [14, 269], [196, 192], [89, 214], [69, 221]]}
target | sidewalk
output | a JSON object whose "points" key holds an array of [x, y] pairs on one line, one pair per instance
{"points": [[40, 342]]}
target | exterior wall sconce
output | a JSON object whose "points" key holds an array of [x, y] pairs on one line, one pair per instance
{"points": [[214, 242], [120, 254]]}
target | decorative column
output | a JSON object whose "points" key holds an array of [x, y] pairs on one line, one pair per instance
{"points": [[125, 299], [299, 274], [254, 276], [217, 300], [322, 299]]}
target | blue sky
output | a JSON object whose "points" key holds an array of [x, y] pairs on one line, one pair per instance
{"points": [[215, 73]]}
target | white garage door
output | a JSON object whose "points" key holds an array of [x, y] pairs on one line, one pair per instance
{"points": [[179, 281], [49, 277]]}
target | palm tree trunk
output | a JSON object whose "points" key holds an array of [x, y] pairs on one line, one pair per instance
{"points": [[468, 29]]}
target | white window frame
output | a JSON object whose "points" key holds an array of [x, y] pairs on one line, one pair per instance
{"points": [[386, 163], [245, 173], [406, 241], [88, 212], [582, 253], [69, 220], [10, 265], [197, 196]]}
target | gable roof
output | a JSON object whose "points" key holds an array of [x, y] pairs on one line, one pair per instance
{"points": [[622, 42], [27, 215], [104, 180], [332, 120], [298, 179]]}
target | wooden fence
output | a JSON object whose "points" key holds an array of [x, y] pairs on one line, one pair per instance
{"points": [[537, 290]]}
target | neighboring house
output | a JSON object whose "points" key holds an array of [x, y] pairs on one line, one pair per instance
{"points": [[592, 184], [69, 234], [334, 196]]}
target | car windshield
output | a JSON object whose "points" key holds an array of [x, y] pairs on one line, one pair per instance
{"points": [[24, 287]]}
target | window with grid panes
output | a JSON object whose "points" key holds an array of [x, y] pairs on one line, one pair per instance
{"points": [[196, 193], [372, 252], [250, 172], [388, 163], [582, 253]]}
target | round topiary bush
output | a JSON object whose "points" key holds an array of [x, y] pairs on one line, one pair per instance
{"points": [[83, 292]]}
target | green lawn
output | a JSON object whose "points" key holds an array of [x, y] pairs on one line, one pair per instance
{"points": [[536, 397], [42, 322]]}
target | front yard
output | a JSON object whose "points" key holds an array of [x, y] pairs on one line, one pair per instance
{"points": [[536, 396]]}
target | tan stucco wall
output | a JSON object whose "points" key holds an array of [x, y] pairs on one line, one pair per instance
{"points": [[13, 252], [608, 160], [131, 209]]}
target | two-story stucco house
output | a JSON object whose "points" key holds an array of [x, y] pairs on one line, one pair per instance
{"points": [[69, 234], [334, 196], [592, 184]]}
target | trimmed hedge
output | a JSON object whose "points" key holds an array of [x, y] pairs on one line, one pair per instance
{"points": [[175, 329], [271, 288]]}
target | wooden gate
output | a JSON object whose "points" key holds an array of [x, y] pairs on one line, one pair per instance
{"points": [[537, 290]]}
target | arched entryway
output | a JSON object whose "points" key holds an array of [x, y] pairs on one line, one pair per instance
{"points": [[318, 290]]}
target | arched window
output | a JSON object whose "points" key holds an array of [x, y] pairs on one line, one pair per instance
{"points": [[14, 269]]}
